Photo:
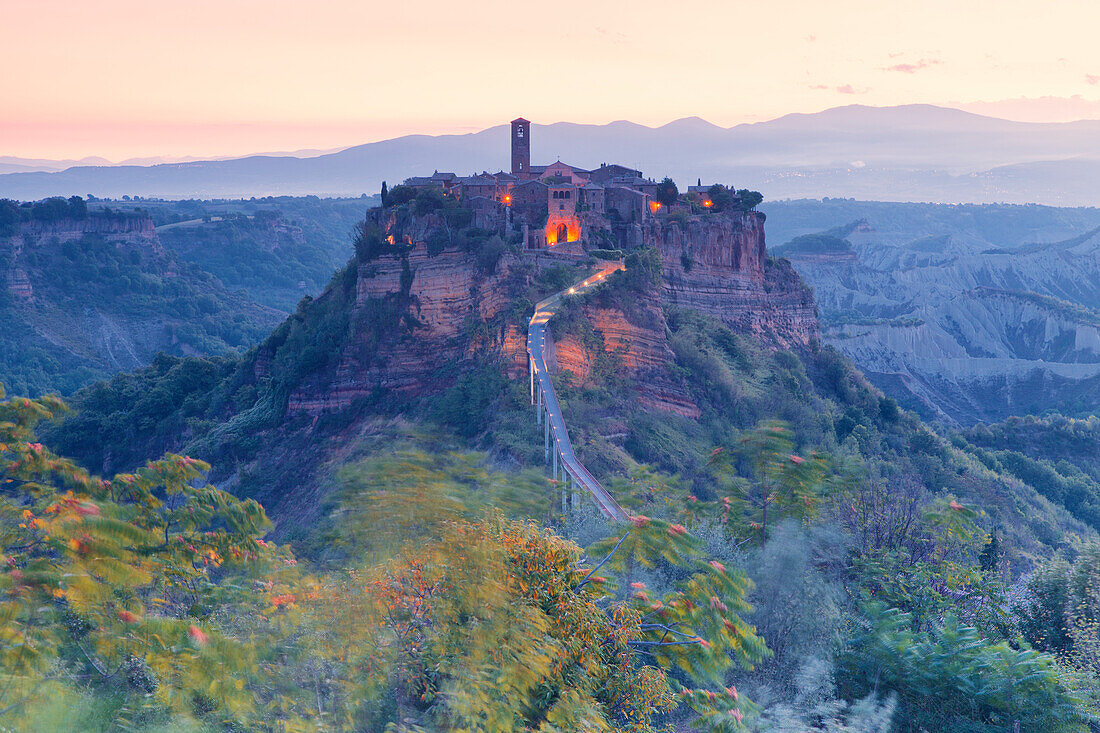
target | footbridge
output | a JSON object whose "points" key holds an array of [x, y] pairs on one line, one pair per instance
{"points": [[558, 451]]}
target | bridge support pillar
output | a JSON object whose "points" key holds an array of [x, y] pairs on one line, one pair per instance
{"points": [[555, 462], [545, 441], [538, 410], [531, 374]]}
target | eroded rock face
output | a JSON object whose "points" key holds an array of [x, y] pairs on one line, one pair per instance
{"points": [[418, 316], [718, 264], [133, 230], [640, 349], [415, 318], [569, 354], [964, 332]]}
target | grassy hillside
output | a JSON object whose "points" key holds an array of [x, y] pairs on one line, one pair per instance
{"points": [[277, 249], [215, 277], [87, 306]]}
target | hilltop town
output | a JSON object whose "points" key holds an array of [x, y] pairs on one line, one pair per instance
{"points": [[559, 203]]}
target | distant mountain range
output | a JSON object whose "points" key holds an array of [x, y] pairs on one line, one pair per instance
{"points": [[904, 153]]}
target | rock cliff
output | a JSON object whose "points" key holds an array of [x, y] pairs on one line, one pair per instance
{"points": [[415, 317], [718, 264], [418, 313], [124, 230], [639, 348], [963, 332], [85, 297]]}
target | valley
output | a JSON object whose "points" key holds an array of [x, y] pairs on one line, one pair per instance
{"points": [[395, 407], [955, 314], [89, 289], [589, 368]]}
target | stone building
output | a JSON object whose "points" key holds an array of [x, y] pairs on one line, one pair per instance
{"points": [[547, 202], [445, 181]]}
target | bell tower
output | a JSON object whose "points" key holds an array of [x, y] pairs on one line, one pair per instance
{"points": [[521, 147]]}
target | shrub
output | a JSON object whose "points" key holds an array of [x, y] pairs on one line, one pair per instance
{"points": [[950, 679], [399, 195]]}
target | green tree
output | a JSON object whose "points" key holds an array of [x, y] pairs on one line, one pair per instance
{"points": [[667, 193], [950, 679], [780, 484], [721, 198], [485, 623], [749, 199], [114, 579]]}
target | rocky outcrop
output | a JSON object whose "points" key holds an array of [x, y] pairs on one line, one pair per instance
{"points": [[718, 264], [639, 347], [418, 315], [96, 294], [19, 284], [964, 332], [123, 229], [569, 354], [414, 319]]}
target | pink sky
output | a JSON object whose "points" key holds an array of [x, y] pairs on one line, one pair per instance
{"points": [[123, 78]]}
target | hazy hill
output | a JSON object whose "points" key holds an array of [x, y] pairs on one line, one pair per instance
{"points": [[911, 152], [964, 313], [85, 294], [275, 249]]}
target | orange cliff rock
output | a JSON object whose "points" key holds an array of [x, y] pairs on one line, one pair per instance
{"points": [[417, 317], [641, 349], [718, 264], [413, 321]]}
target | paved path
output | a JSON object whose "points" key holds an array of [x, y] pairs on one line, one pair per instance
{"points": [[556, 437]]}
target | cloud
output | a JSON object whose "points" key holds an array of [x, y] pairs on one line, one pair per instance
{"points": [[612, 36], [1093, 79], [842, 89], [912, 68]]}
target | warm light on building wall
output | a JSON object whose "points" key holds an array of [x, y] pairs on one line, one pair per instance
{"points": [[572, 230], [708, 203], [507, 199], [654, 206]]}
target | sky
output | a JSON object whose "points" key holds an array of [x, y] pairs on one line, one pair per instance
{"points": [[135, 78]]}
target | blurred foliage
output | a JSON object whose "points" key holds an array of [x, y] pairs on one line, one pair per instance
{"points": [[951, 679], [114, 583]]}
